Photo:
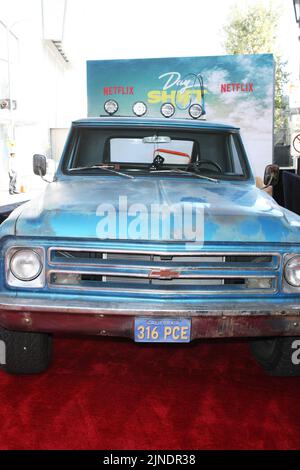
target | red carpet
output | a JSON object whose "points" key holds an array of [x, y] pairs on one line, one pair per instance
{"points": [[110, 394]]}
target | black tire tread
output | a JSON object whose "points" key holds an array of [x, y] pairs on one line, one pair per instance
{"points": [[26, 352]]}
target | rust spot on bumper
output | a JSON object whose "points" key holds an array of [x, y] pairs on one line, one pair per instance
{"points": [[203, 326], [243, 326]]}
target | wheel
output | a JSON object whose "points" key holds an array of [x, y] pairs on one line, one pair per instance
{"points": [[26, 353], [278, 356]]}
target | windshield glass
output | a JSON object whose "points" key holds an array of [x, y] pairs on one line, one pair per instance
{"points": [[211, 153]]}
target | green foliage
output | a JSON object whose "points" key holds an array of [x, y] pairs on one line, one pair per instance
{"points": [[252, 29], [281, 107]]}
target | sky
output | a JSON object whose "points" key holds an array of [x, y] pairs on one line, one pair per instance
{"points": [[95, 29], [162, 28]]}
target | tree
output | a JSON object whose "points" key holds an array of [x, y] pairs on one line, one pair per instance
{"points": [[252, 29]]}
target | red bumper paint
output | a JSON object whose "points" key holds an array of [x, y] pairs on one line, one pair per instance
{"points": [[227, 324]]}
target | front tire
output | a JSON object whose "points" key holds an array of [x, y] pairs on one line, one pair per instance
{"points": [[278, 356], [26, 353]]}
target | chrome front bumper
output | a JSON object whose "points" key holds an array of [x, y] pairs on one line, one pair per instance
{"points": [[117, 319]]}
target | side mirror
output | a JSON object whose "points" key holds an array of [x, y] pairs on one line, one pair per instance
{"points": [[271, 176], [39, 165]]}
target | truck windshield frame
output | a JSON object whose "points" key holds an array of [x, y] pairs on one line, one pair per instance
{"points": [[92, 146]]}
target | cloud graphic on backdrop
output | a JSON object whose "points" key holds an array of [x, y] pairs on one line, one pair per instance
{"points": [[238, 90]]}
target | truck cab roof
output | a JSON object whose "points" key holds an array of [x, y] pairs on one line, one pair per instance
{"points": [[153, 122]]}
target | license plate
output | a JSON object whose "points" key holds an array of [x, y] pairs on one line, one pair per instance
{"points": [[162, 330]]}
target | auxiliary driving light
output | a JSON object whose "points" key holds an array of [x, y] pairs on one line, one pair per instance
{"points": [[139, 108], [26, 265], [111, 107], [195, 111], [167, 110], [292, 271]]}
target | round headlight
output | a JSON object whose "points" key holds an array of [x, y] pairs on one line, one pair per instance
{"points": [[26, 265], [292, 271], [195, 111], [167, 110], [139, 108], [111, 107]]}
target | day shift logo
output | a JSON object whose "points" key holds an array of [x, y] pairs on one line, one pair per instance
{"points": [[296, 353]]}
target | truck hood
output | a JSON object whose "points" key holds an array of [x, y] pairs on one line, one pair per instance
{"points": [[233, 211]]}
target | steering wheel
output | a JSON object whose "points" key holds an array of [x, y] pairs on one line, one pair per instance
{"points": [[197, 164]]}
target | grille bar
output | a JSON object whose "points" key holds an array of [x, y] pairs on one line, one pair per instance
{"points": [[162, 273], [208, 260], [166, 272], [130, 285]]}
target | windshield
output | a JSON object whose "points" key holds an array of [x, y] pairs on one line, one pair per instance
{"points": [[133, 151]]}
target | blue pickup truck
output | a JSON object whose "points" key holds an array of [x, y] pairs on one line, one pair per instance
{"points": [[153, 230]]}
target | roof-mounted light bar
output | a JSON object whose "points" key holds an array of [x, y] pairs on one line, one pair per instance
{"points": [[139, 108], [196, 111], [111, 107], [167, 110]]}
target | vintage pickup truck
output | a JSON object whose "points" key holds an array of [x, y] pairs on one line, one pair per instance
{"points": [[154, 230]]}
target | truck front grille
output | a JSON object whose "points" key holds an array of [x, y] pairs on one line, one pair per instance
{"points": [[163, 273]]}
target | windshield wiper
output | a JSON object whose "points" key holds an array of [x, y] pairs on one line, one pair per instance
{"points": [[188, 173], [102, 167]]}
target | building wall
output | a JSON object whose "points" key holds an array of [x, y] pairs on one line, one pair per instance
{"points": [[40, 83], [4, 94]]}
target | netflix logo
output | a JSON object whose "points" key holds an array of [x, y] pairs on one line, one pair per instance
{"points": [[118, 90], [236, 87]]}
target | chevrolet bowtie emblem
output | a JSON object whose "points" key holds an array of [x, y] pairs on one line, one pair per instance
{"points": [[163, 274]]}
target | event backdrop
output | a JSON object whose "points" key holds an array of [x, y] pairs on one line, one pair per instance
{"points": [[236, 89]]}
